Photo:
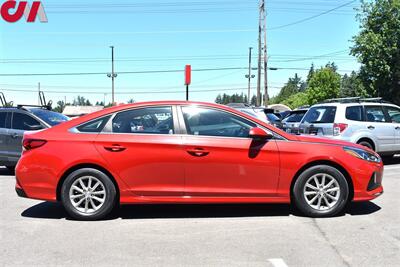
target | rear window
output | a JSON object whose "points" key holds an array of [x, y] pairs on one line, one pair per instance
{"points": [[50, 117], [320, 115], [272, 117], [295, 117], [354, 113]]}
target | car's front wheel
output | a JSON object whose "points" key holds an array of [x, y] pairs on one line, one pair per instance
{"points": [[321, 191], [88, 194]]}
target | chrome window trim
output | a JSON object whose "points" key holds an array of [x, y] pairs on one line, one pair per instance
{"points": [[276, 135]]}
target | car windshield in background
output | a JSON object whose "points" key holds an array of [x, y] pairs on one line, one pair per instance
{"points": [[50, 117], [273, 117], [320, 115], [295, 117]]}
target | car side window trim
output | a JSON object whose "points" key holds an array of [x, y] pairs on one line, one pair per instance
{"points": [[185, 133]]}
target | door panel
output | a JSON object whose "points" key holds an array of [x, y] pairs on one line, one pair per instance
{"points": [[393, 114], [150, 165], [232, 167], [383, 130], [144, 151], [3, 138], [20, 123], [221, 160]]}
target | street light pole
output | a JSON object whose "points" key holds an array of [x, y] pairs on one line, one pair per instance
{"points": [[112, 75], [249, 77]]}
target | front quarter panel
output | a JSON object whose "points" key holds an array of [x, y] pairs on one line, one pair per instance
{"points": [[295, 155]]}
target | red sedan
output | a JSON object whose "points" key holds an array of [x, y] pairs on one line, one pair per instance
{"points": [[189, 152]]}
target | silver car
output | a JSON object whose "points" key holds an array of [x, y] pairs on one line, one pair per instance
{"points": [[369, 122]]}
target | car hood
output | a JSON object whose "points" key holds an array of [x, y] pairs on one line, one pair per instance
{"points": [[328, 141]]}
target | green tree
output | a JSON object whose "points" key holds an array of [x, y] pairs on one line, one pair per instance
{"points": [[377, 47], [296, 100], [81, 101], [324, 84], [352, 86], [60, 106], [292, 87]]}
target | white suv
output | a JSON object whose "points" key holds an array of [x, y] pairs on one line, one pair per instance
{"points": [[369, 122]]}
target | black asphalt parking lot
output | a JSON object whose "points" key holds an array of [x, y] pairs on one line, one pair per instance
{"points": [[41, 234]]}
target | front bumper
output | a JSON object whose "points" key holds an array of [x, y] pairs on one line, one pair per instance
{"points": [[368, 182]]}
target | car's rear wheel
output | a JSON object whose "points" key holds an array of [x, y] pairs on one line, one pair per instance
{"points": [[88, 194], [321, 191]]}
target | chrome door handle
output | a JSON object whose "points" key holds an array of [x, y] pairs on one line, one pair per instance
{"points": [[371, 127], [115, 148], [14, 135], [198, 152]]}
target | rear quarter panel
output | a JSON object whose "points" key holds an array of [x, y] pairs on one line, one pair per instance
{"points": [[62, 152]]}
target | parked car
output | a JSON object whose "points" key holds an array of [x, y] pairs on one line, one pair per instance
{"points": [[368, 122], [260, 113], [15, 121], [190, 152], [292, 122]]}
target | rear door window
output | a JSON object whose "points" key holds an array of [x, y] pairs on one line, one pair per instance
{"points": [[374, 114], [320, 115], [21, 121], [151, 120], [354, 113]]}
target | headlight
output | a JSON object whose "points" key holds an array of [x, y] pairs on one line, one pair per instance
{"points": [[362, 154]]}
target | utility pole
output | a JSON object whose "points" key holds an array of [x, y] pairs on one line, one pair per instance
{"points": [[259, 59], [249, 76], [112, 75], [264, 16], [262, 54]]}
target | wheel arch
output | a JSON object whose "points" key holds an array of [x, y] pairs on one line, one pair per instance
{"points": [[81, 166], [328, 163], [370, 140]]}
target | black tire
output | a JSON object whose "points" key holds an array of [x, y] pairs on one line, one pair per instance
{"points": [[110, 194], [367, 143], [299, 191]]}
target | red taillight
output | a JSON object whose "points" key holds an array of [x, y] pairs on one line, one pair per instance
{"points": [[338, 128], [29, 144]]}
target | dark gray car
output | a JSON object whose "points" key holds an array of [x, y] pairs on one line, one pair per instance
{"points": [[14, 122]]}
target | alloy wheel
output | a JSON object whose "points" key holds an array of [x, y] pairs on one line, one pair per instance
{"points": [[87, 194], [321, 191]]}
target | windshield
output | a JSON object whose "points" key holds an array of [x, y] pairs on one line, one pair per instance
{"points": [[50, 117], [273, 117], [295, 117], [320, 115]]}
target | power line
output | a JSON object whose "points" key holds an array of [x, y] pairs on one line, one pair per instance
{"points": [[118, 73], [312, 17]]}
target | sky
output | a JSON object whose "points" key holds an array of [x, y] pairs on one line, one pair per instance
{"points": [[166, 35]]}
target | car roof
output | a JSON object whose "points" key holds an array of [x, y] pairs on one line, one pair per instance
{"points": [[336, 104]]}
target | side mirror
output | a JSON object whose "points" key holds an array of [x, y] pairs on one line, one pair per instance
{"points": [[259, 134]]}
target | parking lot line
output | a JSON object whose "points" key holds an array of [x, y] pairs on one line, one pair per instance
{"points": [[278, 262]]}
